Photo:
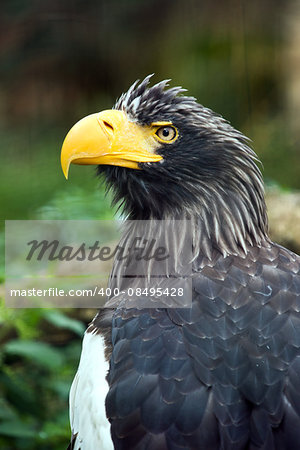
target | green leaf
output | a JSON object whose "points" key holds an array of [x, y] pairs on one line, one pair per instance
{"points": [[39, 352], [62, 321]]}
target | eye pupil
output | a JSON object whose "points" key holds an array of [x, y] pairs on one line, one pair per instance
{"points": [[167, 134]]}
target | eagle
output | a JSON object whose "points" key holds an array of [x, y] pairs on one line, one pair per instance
{"points": [[222, 369]]}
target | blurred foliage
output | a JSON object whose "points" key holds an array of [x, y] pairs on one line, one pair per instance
{"points": [[31, 177], [77, 204], [38, 355], [40, 348], [63, 60], [278, 149]]}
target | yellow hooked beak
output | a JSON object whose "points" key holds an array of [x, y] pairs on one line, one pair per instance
{"points": [[110, 138]]}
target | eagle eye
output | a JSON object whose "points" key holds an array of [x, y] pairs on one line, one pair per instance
{"points": [[166, 133]]}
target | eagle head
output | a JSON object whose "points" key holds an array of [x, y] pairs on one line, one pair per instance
{"points": [[165, 155]]}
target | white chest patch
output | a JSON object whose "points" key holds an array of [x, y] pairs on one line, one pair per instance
{"points": [[87, 397]]}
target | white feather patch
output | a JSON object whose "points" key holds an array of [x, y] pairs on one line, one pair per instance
{"points": [[87, 397]]}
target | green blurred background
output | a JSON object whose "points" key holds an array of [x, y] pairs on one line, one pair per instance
{"points": [[63, 60]]}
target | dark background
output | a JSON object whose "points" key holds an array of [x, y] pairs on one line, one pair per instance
{"points": [[60, 61], [63, 60]]}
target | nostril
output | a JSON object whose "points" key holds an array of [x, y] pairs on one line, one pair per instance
{"points": [[108, 125]]}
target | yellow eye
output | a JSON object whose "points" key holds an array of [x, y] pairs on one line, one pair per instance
{"points": [[166, 133]]}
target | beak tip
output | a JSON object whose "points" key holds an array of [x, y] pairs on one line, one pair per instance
{"points": [[65, 168], [66, 174]]}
